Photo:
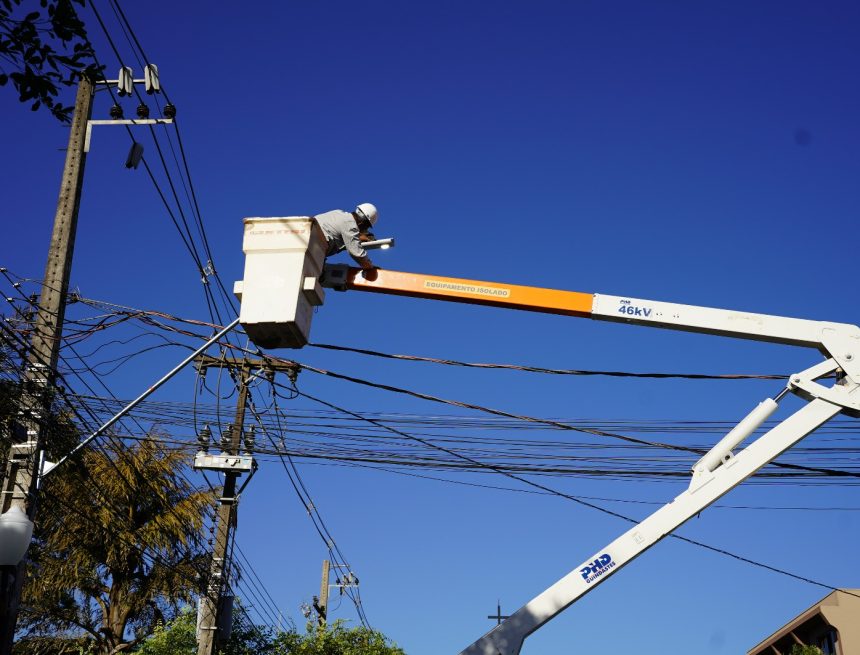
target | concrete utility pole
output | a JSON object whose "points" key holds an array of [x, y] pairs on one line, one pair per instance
{"points": [[321, 603], [232, 465], [22, 471], [211, 601]]}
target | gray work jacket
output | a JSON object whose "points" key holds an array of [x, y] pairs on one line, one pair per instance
{"points": [[341, 231]]}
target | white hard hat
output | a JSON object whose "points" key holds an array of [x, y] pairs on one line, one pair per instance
{"points": [[368, 212]]}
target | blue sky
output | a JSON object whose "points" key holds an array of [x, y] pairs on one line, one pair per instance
{"points": [[688, 152]]}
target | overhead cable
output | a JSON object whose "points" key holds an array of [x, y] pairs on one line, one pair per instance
{"points": [[576, 499], [552, 371]]}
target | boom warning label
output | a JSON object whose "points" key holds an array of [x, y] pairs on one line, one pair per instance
{"points": [[473, 289]]}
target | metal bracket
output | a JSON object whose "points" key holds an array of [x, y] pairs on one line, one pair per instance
{"points": [[124, 121], [803, 384], [335, 276], [136, 80], [843, 345], [248, 479]]}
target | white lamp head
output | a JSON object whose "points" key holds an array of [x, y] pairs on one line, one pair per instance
{"points": [[16, 530]]}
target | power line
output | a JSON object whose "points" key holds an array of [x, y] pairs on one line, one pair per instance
{"points": [[119, 513], [578, 500], [119, 450], [532, 419], [552, 371], [686, 426], [519, 417], [312, 510], [640, 442], [186, 234]]}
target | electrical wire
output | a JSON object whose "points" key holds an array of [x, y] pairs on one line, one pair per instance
{"points": [[532, 419], [687, 428], [483, 465], [312, 510], [552, 371], [119, 451], [579, 500], [188, 241]]}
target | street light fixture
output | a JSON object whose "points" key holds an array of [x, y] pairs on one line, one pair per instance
{"points": [[135, 154], [16, 530]]}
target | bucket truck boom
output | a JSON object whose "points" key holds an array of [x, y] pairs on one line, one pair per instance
{"points": [[278, 314], [715, 474]]}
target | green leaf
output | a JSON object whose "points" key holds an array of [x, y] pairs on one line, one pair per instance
{"points": [[29, 47]]}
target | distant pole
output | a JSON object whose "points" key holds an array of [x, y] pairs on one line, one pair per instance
{"points": [[22, 472], [321, 606], [498, 615]]}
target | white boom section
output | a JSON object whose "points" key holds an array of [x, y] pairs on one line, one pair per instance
{"points": [[705, 488], [717, 472], [724, 322], [841, 341]]}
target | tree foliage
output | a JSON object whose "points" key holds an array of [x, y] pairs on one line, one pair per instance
{"points": [[797, 649], [118, 547], [43, 49], [178, 638], [336, 639]]}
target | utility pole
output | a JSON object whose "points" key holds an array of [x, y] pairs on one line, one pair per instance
{"points": [[321, 602], [22, 471], [232, 465], [499, 616]]}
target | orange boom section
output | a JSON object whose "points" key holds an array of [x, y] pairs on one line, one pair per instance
{"points": [[475, 292]]}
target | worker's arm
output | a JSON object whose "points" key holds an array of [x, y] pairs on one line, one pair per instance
{"points": [[352, 242], [364, 262]]}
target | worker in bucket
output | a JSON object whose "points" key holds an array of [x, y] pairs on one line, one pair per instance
{"points": [[348, 230]]}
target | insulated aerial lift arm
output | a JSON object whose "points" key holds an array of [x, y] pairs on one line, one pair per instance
{"points": [[284, 279], [713, 475], [618, 309]]}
